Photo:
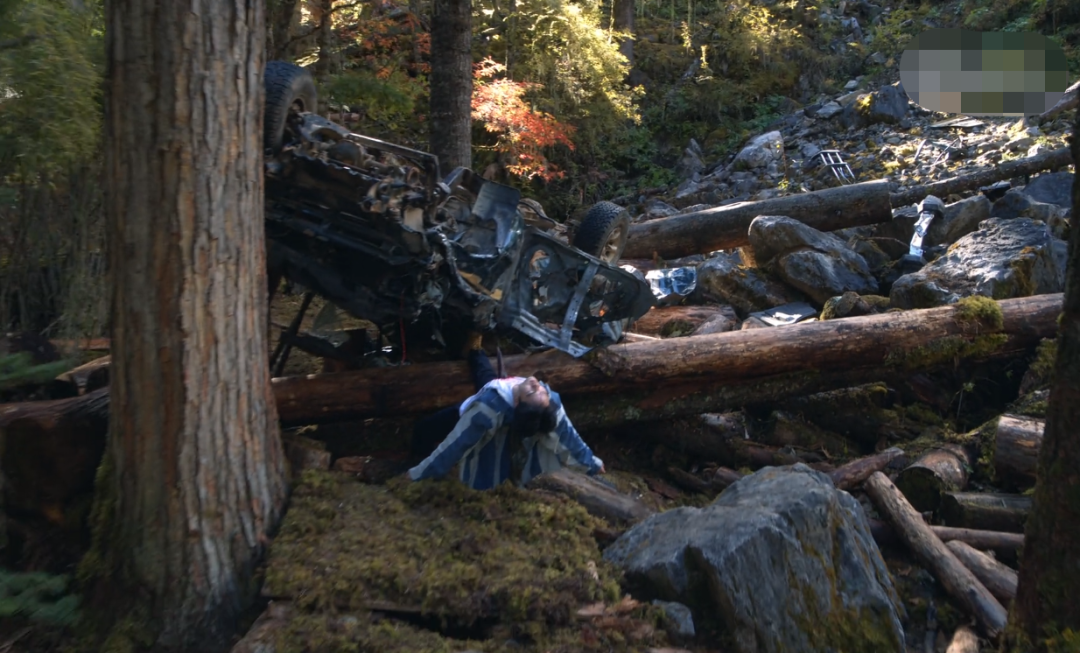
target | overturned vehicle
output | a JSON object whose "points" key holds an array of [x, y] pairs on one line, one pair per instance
{"points": [[379, 232]]}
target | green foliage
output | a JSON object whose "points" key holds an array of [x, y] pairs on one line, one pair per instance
{"points": [[386, 106], [18, 369], [37, 597]]}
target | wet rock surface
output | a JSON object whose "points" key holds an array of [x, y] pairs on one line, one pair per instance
{"points": [[782, 560]]}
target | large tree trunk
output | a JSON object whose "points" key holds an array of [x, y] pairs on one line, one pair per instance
{"points": [[193, 479], [451, 83], [1017, 441], [1046, 598], [725, 227]]}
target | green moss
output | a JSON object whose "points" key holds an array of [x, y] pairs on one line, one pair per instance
{"points": [[981, 311], [37, 597], [440, 549], [1041, 369], [943, 350]]}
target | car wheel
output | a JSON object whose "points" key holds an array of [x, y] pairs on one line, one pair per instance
{"points": [[288, 88], [603, 232]]}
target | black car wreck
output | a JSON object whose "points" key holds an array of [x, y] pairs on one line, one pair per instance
{"points": [[376, 230]]}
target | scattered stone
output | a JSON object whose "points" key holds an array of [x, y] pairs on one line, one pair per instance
{"points": [[1004, 258], [760, 151], [816, 263], [852, 85], [852, 305], [723, 279], [829, 110], [656, 208], [1051, 188], [783, 560], [691, 163], [680, 619]]}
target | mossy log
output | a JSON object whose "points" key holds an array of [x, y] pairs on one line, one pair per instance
{"points": [[985, 511], [957, 580], [964, 640], [998, 578], [670, 321], [1016, 449], [725, 227], [678, 368], [855, 472], [1052, 160], [597, 498], [941, 470]]}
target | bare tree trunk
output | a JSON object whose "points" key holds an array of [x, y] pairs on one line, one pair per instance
{"points": [[624, 22], [193, 478], [1047, 602], [451, 83], [280, 22]]}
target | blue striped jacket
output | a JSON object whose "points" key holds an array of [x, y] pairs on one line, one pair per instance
{"points": [[479, 442]]}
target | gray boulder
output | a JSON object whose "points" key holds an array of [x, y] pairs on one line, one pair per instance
{"points": [[1018, 204], [1004, 258], [782, 560], [1052, 188], [680, 621], [724, 280], [691, 162], [760, 152], [816, 263]]}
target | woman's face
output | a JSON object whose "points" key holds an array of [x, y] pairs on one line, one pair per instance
{"points": [[532, 392]]}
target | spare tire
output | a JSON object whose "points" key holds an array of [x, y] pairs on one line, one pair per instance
{"points": [[604, 231], [288, 88]]}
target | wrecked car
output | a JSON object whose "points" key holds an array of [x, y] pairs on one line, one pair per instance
{"points": [[379, 232]]}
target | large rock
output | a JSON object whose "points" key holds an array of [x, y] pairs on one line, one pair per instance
{"points": [[782, 560], [816, 263], [1004, 258], [724, 280], [1052, 188], [760, 152], [1018, 204], [960, 219], [888, 104]]}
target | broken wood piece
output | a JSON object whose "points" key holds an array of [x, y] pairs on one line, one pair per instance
{"points": [[957, 580], [672, 321], [88, 376], [964, 640], [714, 483], [597, 498], [855, 472], [985, 511], [1070, 100], [1016, 448], [998, 578], [725, 227], [944, 469], [1047, 161]]}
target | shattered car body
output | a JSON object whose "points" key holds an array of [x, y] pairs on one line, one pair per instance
{"points": [[371, 227]]}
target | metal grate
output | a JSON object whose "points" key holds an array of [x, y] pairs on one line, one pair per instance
{"points": [[838, 166]]}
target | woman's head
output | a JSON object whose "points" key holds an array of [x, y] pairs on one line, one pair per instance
{"points": [[532, 392], [533, 411]]}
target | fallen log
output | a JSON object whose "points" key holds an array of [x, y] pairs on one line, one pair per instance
{"points": [[598, 499], [985, 511], [1016, 448], [725, 227], [670, 321], [88, 376], [999, 579], [1070, 100], [676, 368], [957, 580], [964, 640], [713, 483], [1048, 161], [855, 472], [941, 470], [999, 543]]}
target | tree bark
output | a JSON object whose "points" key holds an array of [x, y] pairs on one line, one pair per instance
{"points": [[996, 577], [942, 470], [1046, 599], [985, 511], [725, 227], [597, 498], [193, 478], [964, 641], [623, 19], [1070, 100], [669, 369], [668, 321], [855, 472], [1049, 161], [451, 83], [1016, 449], [960, 583]]}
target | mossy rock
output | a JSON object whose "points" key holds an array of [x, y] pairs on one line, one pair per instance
{"points": [[438, 548]]}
